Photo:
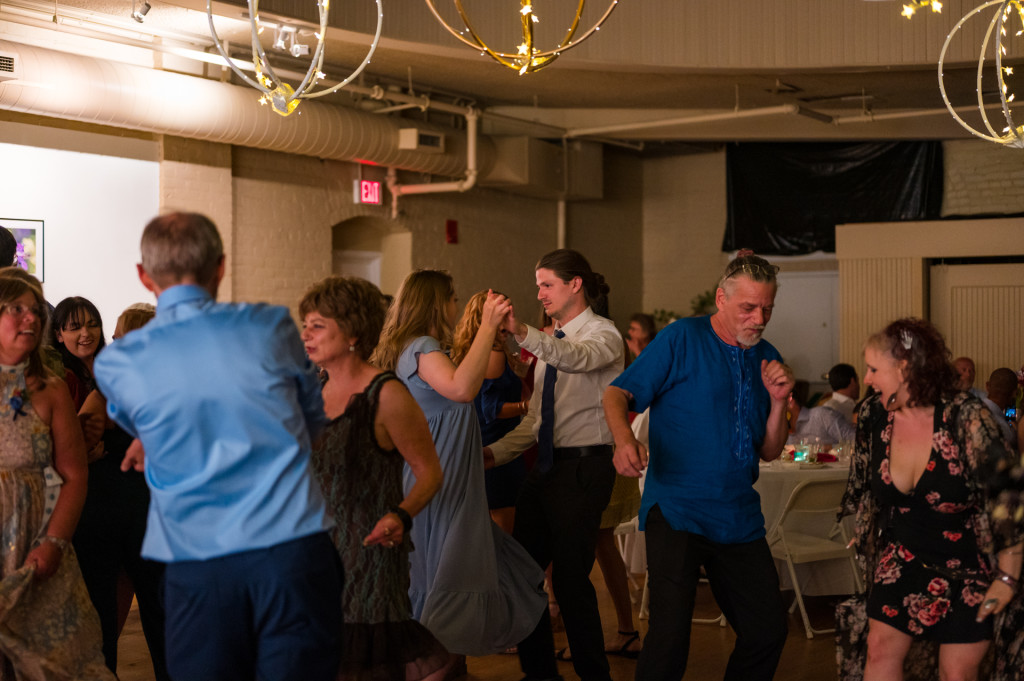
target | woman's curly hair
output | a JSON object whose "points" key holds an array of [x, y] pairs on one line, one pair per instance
{"points": [[355, 304], [929, 371]]}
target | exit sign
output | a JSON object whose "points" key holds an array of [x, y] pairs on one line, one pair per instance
{"points": [[366, 191]]}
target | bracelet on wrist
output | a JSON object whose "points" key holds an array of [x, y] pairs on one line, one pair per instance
{"points": [[60, 543], [404, 516], [1007, 579]]}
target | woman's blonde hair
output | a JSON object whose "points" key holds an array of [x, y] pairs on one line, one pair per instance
{"points": [[135, 316], [14, 283], [468, 326], [418, 310]]}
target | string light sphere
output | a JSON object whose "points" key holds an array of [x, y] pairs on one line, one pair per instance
{"points": [[914, 5], [1012, 135], [282, 97], [527, 58]]}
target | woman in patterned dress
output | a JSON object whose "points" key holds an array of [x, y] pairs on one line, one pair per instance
{"points": [[917, 484], [375, 428], [49, 628]]}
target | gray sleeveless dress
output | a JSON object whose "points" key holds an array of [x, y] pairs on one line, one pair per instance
{"points": [[361, 481]]}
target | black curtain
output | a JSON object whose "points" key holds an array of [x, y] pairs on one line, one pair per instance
{"points": [[786, 199]]}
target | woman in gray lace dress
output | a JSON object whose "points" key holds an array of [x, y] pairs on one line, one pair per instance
{"points": [[376, 428]]}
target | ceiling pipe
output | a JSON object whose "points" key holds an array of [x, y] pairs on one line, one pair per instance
{"points": [[465, 184], [76, 87], [686, 120], [110, 29], [917, 113]]}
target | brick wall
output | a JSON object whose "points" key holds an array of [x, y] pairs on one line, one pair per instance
{"points": [[684, 215], [982, 178], [195, 177]]}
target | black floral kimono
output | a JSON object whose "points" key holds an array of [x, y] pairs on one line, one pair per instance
{"points": [[968, 441]]}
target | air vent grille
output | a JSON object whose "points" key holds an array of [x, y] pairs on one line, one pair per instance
{"points": [[8, 66]]}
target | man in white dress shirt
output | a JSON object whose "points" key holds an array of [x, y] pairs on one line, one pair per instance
{"points": [[559, 508], [842, 378], [1002, 388]]}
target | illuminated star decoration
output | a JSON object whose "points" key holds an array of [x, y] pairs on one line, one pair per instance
{"points": [[1012, 135], [282, 97], [908, 10], [527, 58]]}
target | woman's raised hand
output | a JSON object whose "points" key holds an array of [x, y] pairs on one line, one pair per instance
{"points": [[495, 308]]}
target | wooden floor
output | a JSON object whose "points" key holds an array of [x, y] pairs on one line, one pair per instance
{"points": [[802, 659]]}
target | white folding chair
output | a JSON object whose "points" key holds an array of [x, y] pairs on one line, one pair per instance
{"points": [[811, 500], [622, 532]]}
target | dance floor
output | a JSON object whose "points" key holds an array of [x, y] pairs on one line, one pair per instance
{"points": [[802, 660]]}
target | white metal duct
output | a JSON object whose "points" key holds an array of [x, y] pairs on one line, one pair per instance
{"points": [[75, 87]]}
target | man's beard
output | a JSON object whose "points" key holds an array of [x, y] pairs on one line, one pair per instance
{"points": [[750, 338]]}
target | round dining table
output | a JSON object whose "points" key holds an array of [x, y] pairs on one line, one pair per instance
{"points": [[775, 484]]}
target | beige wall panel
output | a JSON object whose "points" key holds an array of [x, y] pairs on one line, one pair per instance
{"points": [[980, 311], [873, 292]]}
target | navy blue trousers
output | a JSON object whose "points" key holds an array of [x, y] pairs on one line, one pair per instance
{"points": [[272, 614]]}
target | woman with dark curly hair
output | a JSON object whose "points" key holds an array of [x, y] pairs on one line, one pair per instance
{"points": [[375, 429], [917, 485]]}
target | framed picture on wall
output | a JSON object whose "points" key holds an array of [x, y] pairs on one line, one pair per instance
{"points": [[28, 234]]}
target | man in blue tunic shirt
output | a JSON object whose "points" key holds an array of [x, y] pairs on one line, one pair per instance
{"points": [[225, 405], [717, 398]]}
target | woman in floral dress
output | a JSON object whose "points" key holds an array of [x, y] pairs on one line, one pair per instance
{"points": [[48, 628], [917, 485]]}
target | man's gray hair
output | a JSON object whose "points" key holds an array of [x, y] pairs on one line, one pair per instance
{"points": [[179, 247], [752, 266]]}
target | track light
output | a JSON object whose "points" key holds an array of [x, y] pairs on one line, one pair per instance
{"points": [[299, 50], [279, 38], [140, 14]]}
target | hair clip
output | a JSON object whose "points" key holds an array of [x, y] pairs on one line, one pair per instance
{"points": [[906, 339]]}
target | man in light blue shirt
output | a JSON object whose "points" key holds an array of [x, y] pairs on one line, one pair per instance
{"points": [[225, 405]]}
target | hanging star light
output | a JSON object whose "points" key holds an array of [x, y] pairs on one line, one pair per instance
{"points": [[1012, 135], [914, 5], [527, 57], [283, 97]]}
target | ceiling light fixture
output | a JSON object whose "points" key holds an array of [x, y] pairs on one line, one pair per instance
{"points": [[282, 97], [527, 57], [1012, 135], [140, 14], [914, 5]]}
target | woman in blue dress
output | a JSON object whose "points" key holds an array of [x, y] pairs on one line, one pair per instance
{"points": [[500, 405], [472, 585]]}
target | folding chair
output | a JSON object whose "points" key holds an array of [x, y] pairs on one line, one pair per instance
{"points": [[810, 500]]}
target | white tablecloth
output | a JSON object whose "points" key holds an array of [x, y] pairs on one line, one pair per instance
{"points": [[775, 484]]}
